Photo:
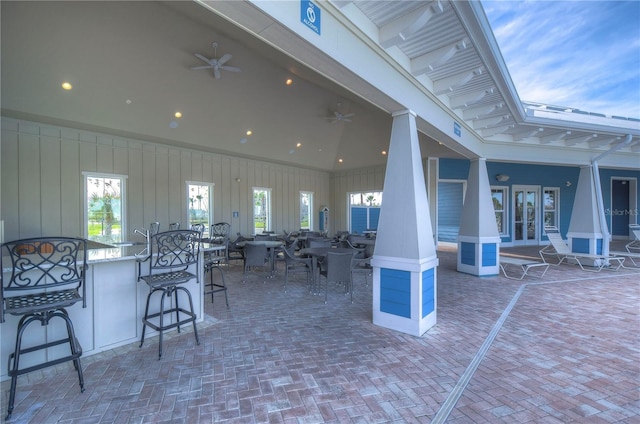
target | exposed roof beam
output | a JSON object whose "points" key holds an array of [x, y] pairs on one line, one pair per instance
{"points": [[490, 122], [480, 111], [636, 147], [528, 134], [489, 132], [582, 139], [402, 28], [603, 141], [429, 61], [468, 99], [554, 137], [452, 82]]}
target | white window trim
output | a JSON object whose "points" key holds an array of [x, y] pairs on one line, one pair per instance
{"points": [[311, 210], [123, 200], [505, 208], [557, 209], [211, 188], [267, 224]]}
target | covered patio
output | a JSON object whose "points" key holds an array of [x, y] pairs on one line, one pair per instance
{"points": [[556, 349]]}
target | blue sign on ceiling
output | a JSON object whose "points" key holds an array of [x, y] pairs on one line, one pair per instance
{"points": [[310, 15]]}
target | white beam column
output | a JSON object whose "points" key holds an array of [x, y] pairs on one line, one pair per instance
{"points": [[404, 262], [585, 229], [478, 239]]}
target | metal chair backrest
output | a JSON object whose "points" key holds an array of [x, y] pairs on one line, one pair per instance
{"points": [[174, 226], [43, 264], [320, 242], [174, 250], [219, 232], [198, 227]]}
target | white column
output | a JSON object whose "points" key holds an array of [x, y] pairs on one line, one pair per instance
{"points": [[478, 239], [404, 262], [585, 229]]}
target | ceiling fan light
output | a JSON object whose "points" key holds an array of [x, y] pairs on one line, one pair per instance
{"points": [[67, 85]]}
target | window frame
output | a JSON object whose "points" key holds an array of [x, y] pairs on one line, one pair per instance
{"points": [[267, 223], [210, 187], [504, 210], [556, 210], [309, 211], [86, 175]]}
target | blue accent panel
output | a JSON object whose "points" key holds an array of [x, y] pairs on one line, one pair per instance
{"points": [[450, 195], [358, 220], [489, 253], [580, 245], [428, 292], [468, 253], [395, 292], [599, 246], [374, 216]]}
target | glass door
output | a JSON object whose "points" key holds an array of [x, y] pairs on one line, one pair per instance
{"points": [[525, 216]]}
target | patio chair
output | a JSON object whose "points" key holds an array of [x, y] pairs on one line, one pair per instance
{"points": [[560, 249], [296, 264], [255, 255], [336, 267], [635, 243]]}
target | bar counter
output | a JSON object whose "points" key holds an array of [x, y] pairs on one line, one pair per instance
{"points": [[115, 306]]}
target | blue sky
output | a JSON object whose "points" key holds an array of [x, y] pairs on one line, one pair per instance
{"points": [[578, 54]]}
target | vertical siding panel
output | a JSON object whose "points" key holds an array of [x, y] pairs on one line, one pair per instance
{"points": [[72, 193], [104, 154], [135, 197], [177, 190], [120, 157], [88, 153], [148, 164], [29, 185], [51, 186], [10, 178], [161, 185]]}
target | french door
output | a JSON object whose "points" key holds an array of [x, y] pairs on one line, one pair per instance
{"points": [[525, 215]]}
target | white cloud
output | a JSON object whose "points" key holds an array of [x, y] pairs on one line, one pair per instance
{"points": [[579, 54]]}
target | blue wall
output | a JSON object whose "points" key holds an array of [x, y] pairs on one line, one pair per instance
{"points": [[539, 175]]}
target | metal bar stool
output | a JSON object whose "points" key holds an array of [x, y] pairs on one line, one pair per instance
{"points": [[46, 275], [171, 253]]}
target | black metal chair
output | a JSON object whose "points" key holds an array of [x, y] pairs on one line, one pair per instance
{"points": [[171, 255], [174, 226], [215, 260], [46, 275], [154, 228]]}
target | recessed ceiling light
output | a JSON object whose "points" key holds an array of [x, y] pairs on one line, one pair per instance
{"points": [[384, 153], [128, 101], [178, 115], [289, 81], [249, 132], [298, 145], [67, 86], [340, 160]]}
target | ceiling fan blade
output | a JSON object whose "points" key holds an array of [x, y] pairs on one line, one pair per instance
{"points": [[196, 68], [216, 72], [231, 68], [348, 115], [224, 59], [204, 59]]}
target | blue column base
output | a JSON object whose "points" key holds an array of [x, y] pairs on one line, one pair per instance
{"points": [[405, 294], [479, 256]]}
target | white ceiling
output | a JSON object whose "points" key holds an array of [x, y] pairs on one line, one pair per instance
{"points": [[143, 51]]}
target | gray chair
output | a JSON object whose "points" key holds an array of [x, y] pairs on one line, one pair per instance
{"points": [[44, 276], [361, 264], [255, 256], [174, 226], [336, 267], [296, 264], [318, 242], [171, 254]]}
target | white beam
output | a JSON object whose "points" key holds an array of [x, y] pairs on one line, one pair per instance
{"points": [[489, 132], [490, 122], [480, 111], [554, 137], [576, 140], [402, 28], [468, 99], [528, 134], [452, 82], [429, 61]]}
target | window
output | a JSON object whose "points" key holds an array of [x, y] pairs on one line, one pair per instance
{"points": [[551, 206], [364, 211], [306, 208], [104, 207], [261, 210], [200, 204], [499, 196]]}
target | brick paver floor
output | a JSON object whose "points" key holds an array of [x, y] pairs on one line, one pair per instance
{"points": [[563, 348]]}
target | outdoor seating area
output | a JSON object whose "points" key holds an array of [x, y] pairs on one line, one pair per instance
{"points": [[286, 356]]}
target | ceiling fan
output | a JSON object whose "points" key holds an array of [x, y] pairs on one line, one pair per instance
{"points": [[338, 116], [216, 64]]}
